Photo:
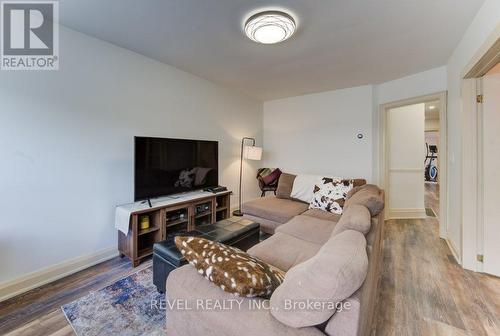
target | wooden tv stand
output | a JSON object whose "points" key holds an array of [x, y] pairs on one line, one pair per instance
{"points": [[171, 215]]}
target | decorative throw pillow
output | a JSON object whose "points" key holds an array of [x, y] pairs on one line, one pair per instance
{"points": [[330, 194], [303, 187], [233, 270], [285, 185], [270, 176]]}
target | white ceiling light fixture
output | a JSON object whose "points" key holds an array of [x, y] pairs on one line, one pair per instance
{"points": [[270, 27], [432, 107]]}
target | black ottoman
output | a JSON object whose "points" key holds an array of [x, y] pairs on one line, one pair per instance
{"points": [[235, 231]]}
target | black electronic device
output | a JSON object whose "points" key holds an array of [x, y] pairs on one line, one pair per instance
{"points": [[215, 190], [171, 166]]}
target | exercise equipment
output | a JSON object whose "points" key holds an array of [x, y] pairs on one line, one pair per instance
{"points": [[431, 170]]}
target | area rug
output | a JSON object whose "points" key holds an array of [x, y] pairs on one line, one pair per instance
{"points": [[129, 307]]}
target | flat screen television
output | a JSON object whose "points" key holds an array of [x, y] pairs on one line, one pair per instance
{"points": [[171, 166]]}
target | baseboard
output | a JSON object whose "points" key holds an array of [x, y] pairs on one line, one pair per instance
{"points": [[44, 276], [453, 250], [406, 213]]}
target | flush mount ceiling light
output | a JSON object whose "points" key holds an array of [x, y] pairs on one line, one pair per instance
{"points": [[270, 27]]}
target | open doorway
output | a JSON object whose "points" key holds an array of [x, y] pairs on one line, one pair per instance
{"points": [[431, 161], [402, 140]]}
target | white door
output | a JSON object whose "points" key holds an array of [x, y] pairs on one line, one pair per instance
{"points": [[406, 153], [491, 171]]}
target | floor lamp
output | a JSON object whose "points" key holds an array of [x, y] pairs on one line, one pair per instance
{"points": [[250, 153]]}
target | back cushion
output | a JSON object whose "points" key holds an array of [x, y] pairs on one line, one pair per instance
{"points": [[332, 275], [368, 195], [356, 217], [345, 321], [285, 185]]}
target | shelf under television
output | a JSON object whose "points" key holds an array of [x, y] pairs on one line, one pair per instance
{"points": [[148, 230], [176, 222], [203, 214], [145, 252]]}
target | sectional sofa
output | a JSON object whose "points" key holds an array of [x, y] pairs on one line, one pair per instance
{"points": [[325, 256]]}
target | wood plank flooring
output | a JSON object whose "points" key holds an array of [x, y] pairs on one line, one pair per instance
{"points": [[423, 290]]}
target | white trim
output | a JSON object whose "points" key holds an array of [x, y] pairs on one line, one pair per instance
{"points": [[468, 71], [44, 276], [406, 214], [453, 250], [472, 226], [383, 146]]}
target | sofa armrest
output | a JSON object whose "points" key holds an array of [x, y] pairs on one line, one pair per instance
{"points": [[195, 306]]}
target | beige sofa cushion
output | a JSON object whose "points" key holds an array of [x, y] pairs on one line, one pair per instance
{"points": [[332, 275], [368, 195], [266, 225], [185, 286], [274, 209], [308, 228], [285, 185], [284, 251], [345, 321], [321, 214], [356, 217]]}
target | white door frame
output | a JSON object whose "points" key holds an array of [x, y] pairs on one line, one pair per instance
{"points": [[472, 148], [443, 150]]}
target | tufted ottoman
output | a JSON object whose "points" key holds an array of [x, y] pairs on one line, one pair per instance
{"points": [[236, 231]]}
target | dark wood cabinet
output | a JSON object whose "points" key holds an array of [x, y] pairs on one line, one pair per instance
{"points": [[184, 215]]}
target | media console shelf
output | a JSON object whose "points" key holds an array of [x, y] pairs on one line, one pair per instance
{"points": [[170, 216]]}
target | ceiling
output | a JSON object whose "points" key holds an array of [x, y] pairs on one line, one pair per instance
{"points": [[339, 43]]}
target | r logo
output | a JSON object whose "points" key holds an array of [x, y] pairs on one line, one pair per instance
{"points": [[29, 28]]}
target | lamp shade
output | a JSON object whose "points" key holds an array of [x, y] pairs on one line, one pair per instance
{"points": [[252, 153]]}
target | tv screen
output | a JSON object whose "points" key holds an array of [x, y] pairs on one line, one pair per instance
{"points": [[171, 166]]}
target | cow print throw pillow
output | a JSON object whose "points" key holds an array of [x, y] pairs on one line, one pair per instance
{"points": [[330, 194], [233, 270]]}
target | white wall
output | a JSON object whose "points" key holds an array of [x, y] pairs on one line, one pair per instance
{"points": [[66, 143], [485, 22], [406, 138], [431, 125], [420, 84], [316, 133]]}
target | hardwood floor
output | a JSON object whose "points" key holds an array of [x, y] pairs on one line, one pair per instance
{"points": [[432, 197], [423, 291], [38, 312]]}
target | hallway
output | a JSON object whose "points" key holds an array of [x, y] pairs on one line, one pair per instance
{"points": [[423, 289], [431, 198]]}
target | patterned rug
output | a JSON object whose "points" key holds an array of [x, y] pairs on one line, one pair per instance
{"points": [[129, 307]]}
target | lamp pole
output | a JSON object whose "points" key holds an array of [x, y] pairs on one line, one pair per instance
{"points": [[238, 212]]}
